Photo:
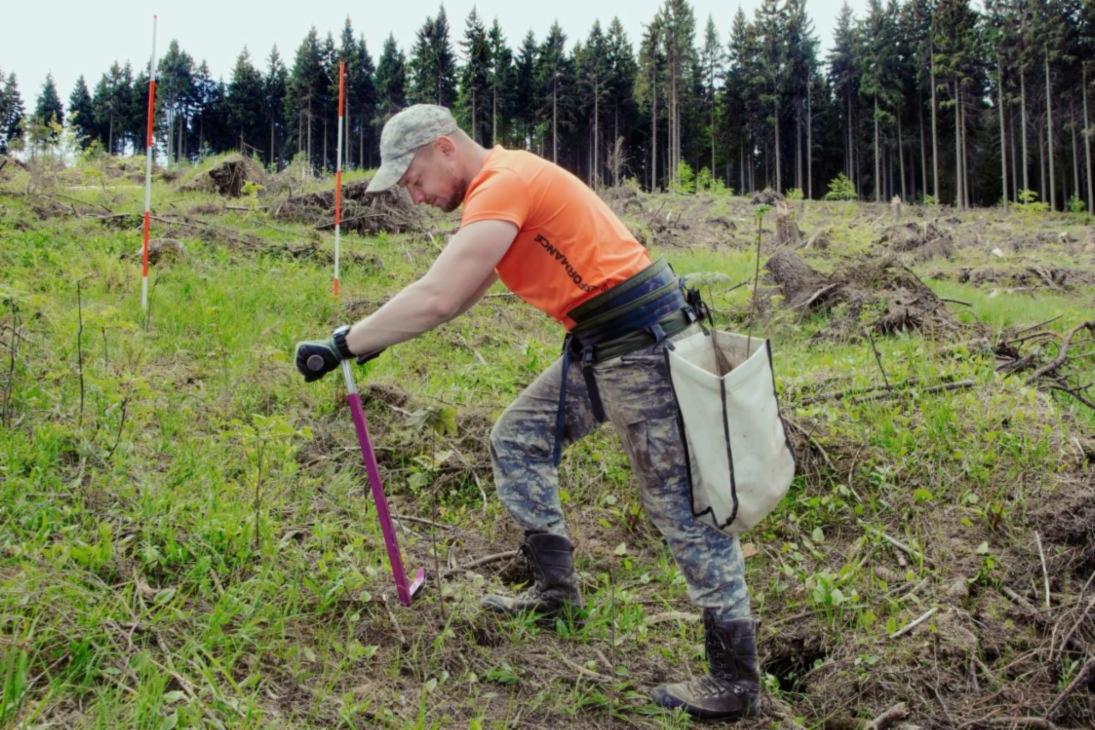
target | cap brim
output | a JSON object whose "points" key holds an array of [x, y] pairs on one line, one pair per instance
{"points": [[389, 173]]}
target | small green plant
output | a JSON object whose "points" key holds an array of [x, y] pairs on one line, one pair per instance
{"points": [[703, 180], [793, 194], [1028, 205], [686, 179], [1076, 206], [841, 188], [928, 199]]}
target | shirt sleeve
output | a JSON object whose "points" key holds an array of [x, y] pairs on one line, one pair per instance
{"points": [[503, 196]]}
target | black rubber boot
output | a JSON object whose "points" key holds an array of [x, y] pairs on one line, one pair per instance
{"points": [[555, 584], [729, 691]]}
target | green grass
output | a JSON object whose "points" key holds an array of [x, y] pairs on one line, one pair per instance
{"points": [[194, 547]]}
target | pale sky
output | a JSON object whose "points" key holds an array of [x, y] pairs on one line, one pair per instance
{"points": [[68, 38]]}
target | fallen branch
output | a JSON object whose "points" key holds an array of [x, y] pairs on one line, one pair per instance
{"points": [[880, 392], [486, 560], [896, 543], [582, 670], [895, 714], [423, 521], [913, 624], [1042, 558], [957, 385], [1063, 354]]}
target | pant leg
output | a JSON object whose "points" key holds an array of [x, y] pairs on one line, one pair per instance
{"points": [[522, 442], [639, 401]]}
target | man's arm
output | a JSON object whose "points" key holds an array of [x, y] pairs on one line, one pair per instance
{"points": [[456, 280]]}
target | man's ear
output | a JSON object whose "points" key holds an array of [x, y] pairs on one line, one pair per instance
{"points": [[445, 146]]}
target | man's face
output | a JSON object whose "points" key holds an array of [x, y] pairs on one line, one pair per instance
{"points": [[432, 176]]}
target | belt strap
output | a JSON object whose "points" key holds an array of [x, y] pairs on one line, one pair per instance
{"points": [[585, 354]]}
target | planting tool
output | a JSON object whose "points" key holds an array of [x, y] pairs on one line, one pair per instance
{"points": [[405, 591]]}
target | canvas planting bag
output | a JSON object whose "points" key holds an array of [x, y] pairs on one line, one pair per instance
{"points": [[739, 459]]}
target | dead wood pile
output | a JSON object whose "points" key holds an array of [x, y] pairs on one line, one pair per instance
{"points": [[364, 213], [228, 177], [920, 241], [902, 300]]}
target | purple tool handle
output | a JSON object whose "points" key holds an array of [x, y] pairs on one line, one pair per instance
{"points": [[404, 590]]}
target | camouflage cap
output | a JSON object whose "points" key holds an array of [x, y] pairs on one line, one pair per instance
{"points": [[404, 133]]}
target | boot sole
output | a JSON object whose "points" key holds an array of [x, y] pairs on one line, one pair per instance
{"points": [[670, 702]]}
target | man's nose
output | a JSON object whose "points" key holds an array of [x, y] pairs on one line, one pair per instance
{"points": [[417, 196]]}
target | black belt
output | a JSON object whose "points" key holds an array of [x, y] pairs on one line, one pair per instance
{"points": [[638, 313]]}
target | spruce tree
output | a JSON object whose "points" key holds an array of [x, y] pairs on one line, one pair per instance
{"points": [[81, 114], [473, 105], [49, 113], [433, 64], [274, 85], [245, 103], [525, 94], [391, 82], [11, 114]]}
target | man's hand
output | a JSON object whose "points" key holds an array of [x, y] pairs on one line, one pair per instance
{"points": [[316, 358]]}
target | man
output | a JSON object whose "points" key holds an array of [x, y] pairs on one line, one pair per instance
{"points": [[556, 245]]}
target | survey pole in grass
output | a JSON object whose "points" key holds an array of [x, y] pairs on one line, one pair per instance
{"points": [[338, 168], [404, 590], [148, 169]]}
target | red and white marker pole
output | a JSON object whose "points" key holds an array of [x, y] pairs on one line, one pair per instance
{"points": [[148, 168], [338, 168]]}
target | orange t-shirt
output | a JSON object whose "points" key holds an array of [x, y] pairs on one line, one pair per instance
{"points": [[569, 247]]}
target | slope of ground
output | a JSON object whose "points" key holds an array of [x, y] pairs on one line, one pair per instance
{"points": [[187, 540]]}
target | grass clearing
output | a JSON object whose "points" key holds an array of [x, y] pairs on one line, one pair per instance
{"points": [[186, 538]]}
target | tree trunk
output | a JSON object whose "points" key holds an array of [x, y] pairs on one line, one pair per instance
{"points": [[965, 155], [1075, 154], [1042, 163], [1003, 145], [616, 145], [877, 161], [923, 150], [555, 118], [712, 129], [654, 136], [741, 165], [1049, 136], [1014, 156], [1023, 124], [901, 158], [957, 148], [779, 178], [596, 136], [1087, 148], [798, 145], [935, 137], [809, 141], [848, 139]]}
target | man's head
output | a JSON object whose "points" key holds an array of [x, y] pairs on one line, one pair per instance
{"points": [[423, 149]]}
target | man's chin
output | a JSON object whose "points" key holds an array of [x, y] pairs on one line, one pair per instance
{"points": [[450, 205]]}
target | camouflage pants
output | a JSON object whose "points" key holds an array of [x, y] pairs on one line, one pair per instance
{"points": [[638, 399]]}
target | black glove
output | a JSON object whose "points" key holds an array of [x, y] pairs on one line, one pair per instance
{"points": [[316, 358]]}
